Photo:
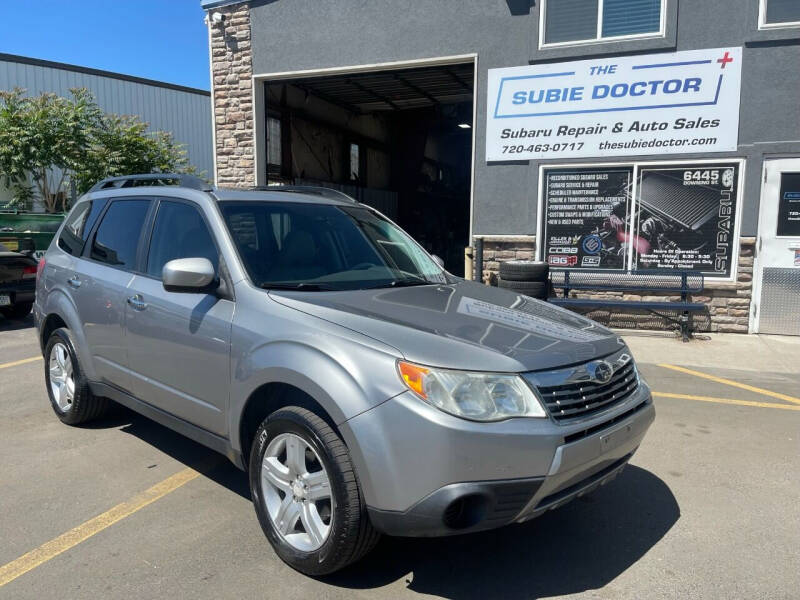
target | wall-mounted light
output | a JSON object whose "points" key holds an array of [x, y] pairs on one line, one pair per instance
{"points": [[465, 126]]}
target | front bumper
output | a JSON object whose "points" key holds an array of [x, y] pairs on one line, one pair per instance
{"points": [[425, 473]]}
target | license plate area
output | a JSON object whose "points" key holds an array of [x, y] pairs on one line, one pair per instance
{"points": [[5, 300], [617, 437]]}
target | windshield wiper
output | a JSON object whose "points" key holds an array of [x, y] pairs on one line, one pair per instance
{"points": [[409, 281], [405, 282], [306, 287]]}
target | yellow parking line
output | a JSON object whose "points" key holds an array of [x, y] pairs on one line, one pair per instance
{"points": [[75, 536], [732, 383], [726, 401], [16, 363]]}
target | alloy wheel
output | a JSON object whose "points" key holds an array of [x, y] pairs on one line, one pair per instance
{"points": [[62, 379], [297, 492]]}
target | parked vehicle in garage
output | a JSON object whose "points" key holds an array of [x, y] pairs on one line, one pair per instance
{"points": [[17, 283], [313, 342]]}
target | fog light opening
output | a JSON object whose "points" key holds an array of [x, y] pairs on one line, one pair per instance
{"points": [[466, 511]]}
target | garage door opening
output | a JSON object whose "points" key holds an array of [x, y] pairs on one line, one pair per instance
{"points": [[397, 139]]}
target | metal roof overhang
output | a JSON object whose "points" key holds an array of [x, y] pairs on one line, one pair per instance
{"points": [[396, 89]]}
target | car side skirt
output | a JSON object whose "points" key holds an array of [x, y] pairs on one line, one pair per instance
{"points": [[193, 432]]}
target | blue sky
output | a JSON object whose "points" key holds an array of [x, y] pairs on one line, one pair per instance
{"points": [[158, 39]]}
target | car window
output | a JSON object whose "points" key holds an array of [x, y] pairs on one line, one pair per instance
{"points": [[325, 247], [117, 237], [79, 224], [179, 232]]}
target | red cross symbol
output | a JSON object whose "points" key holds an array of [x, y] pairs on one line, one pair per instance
{"points": [[724, 60]]}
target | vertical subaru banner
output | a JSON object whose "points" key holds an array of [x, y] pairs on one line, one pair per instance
{"points": [[671, 103], [686, 217]]}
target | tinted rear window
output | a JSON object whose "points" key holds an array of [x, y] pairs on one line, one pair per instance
{"points": [[117, 237], [79, 224]]}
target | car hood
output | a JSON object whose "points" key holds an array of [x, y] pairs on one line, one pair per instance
{"points": [[462, 325]]}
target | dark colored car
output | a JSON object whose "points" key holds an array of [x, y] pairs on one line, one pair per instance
{"points": [[17, 283]]}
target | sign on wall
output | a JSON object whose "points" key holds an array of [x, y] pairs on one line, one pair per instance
{"points": [[585, 217], [648, 104], [686, 218], [655, 216], [789, 206]]}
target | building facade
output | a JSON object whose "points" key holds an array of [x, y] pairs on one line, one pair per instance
{"points": [[401, 101], [180, 110]]}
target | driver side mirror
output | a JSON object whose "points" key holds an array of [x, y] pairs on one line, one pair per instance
{"points": [[188, 275], [437, 260]]}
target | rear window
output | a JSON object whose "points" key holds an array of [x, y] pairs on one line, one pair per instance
{"points": [[79, 224], [117, 237]]}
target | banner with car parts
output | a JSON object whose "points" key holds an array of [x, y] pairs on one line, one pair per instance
{"points": [[585, 212], [683, 217]]}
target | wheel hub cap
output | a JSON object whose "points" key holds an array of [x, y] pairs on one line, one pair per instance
{"points": [[298, 489]]}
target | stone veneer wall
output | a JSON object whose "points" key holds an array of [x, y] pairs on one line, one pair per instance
{"points": [[232, 94], [728, 302]]}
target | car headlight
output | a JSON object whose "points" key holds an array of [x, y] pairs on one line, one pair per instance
{"points": [[471, 395]]}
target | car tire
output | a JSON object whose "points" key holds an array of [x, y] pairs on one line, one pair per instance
{"points": [[524, 270], [348, 533], [67, 387], [17, 311], [534, 289]]}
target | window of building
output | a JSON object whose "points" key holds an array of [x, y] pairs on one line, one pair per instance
{"points": [[355, 162], [274, 145], [117, 237], [567, 22], [779, 13], [179, 232]]}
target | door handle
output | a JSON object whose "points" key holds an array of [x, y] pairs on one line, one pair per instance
{"points": [[137, 302], [74, 281]]}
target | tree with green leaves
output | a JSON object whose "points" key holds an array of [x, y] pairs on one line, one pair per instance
{"points": [[47, 141], [121, 145]]}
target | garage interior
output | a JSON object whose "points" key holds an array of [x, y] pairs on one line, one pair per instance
{"points": [[399, 140]]}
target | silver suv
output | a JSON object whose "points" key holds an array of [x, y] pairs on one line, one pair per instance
{"points": [[313, 342]]}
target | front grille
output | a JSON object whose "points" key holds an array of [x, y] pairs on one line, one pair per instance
{"points": [[584, 398]]}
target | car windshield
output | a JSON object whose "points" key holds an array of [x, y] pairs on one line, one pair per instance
{"points": [[322, 247]]}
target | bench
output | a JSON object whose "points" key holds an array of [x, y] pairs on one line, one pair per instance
{"points": [[679, 282]]}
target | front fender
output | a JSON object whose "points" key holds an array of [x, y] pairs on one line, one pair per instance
{"points": [[345, 378]]}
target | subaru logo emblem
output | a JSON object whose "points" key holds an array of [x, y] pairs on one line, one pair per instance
{"points": [[600, 371]]}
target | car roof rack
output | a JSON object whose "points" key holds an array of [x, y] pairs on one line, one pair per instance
{"points": [[325, 192], [126, 181]]}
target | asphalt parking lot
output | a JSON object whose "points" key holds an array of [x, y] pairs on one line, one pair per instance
{"points": [[125, 508]]}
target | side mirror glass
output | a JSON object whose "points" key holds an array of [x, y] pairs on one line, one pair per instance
{"points": [[188, 275]]}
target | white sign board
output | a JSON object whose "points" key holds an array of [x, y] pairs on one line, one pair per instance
{"points": [[649, 104]]}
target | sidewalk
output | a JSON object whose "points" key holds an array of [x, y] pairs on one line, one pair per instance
{"points": [[765, 353]]}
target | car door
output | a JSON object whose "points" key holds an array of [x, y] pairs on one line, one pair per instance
{"points": [[98, 281], [178, 342]]}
